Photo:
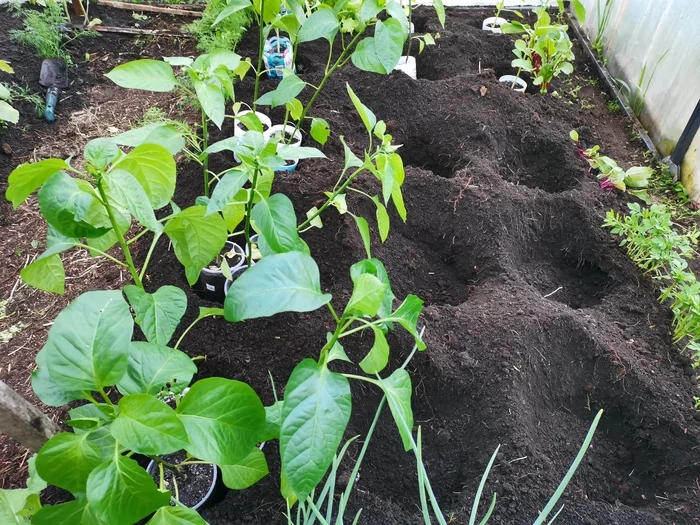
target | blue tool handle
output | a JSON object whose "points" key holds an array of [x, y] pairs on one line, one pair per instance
{"points": [[51, 101]]}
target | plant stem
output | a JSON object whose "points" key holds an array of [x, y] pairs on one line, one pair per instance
{"points": [[100, 252], [118, 233], [249, 206], [328, 74], [205, 145], [156, 236], [330, 199], [261, 50], [171, 466]]}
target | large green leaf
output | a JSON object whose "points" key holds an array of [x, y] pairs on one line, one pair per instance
{"points": [[66, 461], [45, 274], [47, 390], [121, 492], [247, 472], [397, 388], [145, 74], [197, 238], [130, 194], [383, 221], [366, 114], [176, 516], [101, 151], [233, 6], [13, 501], [87, 345], [286, 282], [389, 38], [223, 418], [367, 295], [93, 421], [365, 56], [160, 133], [378, 357], [148, 426], [211, 98], [155, 169], [72, 513], [227, 189], [8, 113], [316, 410], [65, 203], [376, 268], [158, 314], [286, 91], [275, 220], [152, 368], [27, 178], [323, 23], [407, 315]]}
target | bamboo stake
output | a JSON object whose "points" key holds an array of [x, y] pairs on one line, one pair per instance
{"points": [[23, 421]]}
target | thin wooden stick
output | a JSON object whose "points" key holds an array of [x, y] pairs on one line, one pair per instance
{"points": [[136, 31], [149, 8]]}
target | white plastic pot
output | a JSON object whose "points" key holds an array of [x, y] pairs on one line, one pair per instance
{"points": [[520, 84], [411, 28], [407, 65], [296, 142], [239, 129], [493, 24]]}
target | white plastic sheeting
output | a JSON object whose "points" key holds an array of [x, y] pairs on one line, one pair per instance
{"points": [[638, 34]]}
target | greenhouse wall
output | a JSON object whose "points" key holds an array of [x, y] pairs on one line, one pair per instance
{"points": [[662, 39]]}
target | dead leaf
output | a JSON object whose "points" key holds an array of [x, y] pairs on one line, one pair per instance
{"points": [[483, 90]]}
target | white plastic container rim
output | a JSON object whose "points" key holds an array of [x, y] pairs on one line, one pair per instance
{"points": [[407, 65], [509, 79], [296, 142], [493, 24], [239, 129], [231, 246]]}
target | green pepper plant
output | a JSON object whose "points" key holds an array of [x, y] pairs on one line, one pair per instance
{"points": [[89, 356], [379, 53], [210, 75], [545, 52]]}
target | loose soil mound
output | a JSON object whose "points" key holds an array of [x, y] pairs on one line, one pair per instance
{"points": [[534, 318]]}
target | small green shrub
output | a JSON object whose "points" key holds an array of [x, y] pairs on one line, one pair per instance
{"points": [[657, 246], [224, 35], [42, 30]]}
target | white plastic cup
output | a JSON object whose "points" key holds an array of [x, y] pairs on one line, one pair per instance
{"points": [[520, 84], [407, 65], [239, 129], [493, 24], [296, 142]]}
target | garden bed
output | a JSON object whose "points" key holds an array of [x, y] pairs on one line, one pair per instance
{"points": [[534, 318]]}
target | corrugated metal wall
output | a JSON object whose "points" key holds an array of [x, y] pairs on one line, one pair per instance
{"points": [[639, 33]]}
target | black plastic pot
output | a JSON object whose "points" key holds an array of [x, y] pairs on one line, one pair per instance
{"points": [[210, 284], [201, 487]]}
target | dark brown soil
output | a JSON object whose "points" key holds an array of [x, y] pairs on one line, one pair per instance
{"points": [[193, 482], [535, 318]]}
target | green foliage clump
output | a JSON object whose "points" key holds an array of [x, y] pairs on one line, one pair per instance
{"points": [[43, 30], [224, 35], [661, 250]]}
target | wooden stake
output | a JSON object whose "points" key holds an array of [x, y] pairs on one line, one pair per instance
{"points": [[149, 8], [23, 421]]}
